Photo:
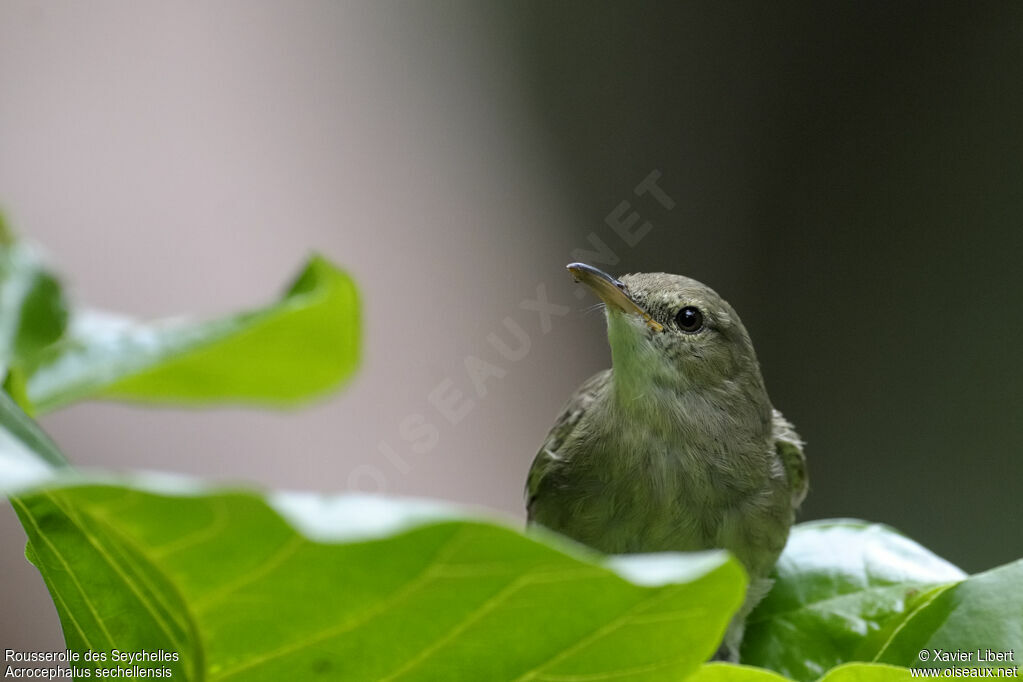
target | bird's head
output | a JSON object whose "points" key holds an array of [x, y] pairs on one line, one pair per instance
{"points": [[671, 333]]}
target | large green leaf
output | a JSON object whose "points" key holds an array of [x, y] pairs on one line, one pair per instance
{"points": [[729, 672], [33, 312], [367, 590], [27, 455], [981, 616], [867, 672], [840, 587], [301, 346], [849, 672]]}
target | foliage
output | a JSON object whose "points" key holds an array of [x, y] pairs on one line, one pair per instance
{"points": [[247, 586], [222, 579], [299, 347], [839, 587]]}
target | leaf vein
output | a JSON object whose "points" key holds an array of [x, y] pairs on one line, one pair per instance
{"points": [[128, 580], [616, 624], [67, 567], [410, 588]]}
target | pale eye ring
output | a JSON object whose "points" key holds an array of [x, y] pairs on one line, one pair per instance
{"points": [[689, 319]]}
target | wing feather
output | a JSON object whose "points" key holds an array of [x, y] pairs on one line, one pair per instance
{"points": [[790, 448], [551, 455]]}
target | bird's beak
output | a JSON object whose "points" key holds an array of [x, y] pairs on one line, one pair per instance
{"points": [[611, 292]]}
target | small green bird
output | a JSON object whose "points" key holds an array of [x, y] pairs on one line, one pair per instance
{"points": [[677, 447]]}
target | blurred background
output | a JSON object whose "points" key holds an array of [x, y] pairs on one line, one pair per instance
{"points": [[848, 174]]}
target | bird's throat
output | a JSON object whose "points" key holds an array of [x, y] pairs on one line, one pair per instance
{"points": [[640, 370]]}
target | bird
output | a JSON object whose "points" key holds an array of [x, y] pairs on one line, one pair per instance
{"points": [[677, 446]]}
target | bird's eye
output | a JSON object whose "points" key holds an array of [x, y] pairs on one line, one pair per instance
{"points": [[689, 319]]}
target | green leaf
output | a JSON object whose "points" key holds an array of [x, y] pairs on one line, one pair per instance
{"points": [[847, 672], [27, 455], [33, 313], [981, 616], [302, 346], [368, 590], [839, 587], [107, 596], [867, 672], [729, 672]]}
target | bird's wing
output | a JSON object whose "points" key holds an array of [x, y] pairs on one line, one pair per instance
{"points": [[551, 454], [790, 448]]}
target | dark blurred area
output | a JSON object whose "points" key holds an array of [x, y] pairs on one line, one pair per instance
{"points": [[850, 176]]}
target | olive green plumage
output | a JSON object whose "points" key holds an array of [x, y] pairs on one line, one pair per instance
{"points": [[677, 447]]}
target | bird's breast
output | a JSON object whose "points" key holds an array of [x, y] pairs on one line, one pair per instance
{"points": [[641, 486]]}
